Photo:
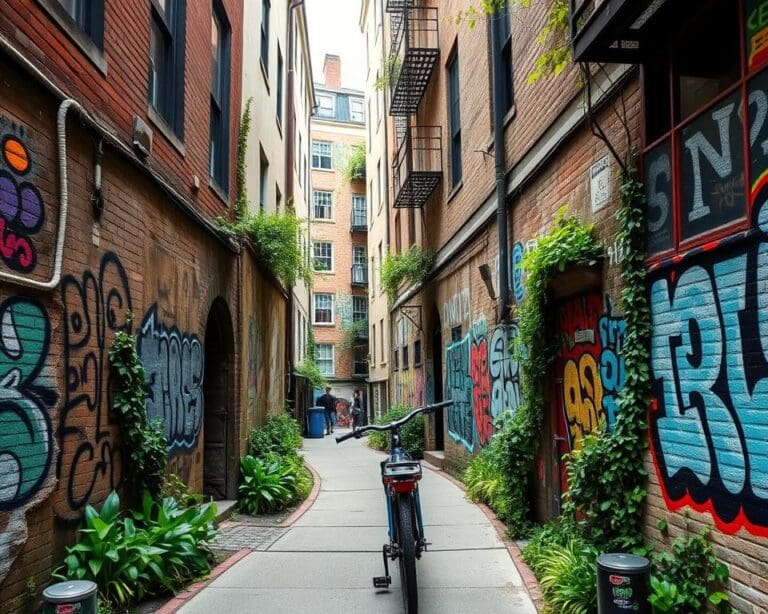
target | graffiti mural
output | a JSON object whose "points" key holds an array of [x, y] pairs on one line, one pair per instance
{"points": [[590, 364], [457, 309], [173, 361], [27, 394], [483, 379], [89, 465], [518, 251], [22, 212], [409, 387], [254, 360]]}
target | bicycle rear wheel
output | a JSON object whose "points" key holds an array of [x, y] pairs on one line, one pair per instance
{"points": [[406, 539]]}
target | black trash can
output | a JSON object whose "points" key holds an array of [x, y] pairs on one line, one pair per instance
{"points": [[72, 597], [622, 584]]}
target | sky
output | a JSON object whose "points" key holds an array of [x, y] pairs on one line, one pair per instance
{"points": [[334, 28]]}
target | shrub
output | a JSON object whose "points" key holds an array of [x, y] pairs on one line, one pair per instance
{"points": [[161, 547], [267, 486], [173, 486], [484, 478], [309, 370], [280, 434], [411, 266], [411, 435]]}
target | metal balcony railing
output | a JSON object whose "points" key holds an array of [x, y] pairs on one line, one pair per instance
{"points": [[360, 275], [359, 221], [417, 168], [412, 58], [398, 6], [360, 368]]}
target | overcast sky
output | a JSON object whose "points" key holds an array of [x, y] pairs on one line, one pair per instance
{"points": [[334, 28]]}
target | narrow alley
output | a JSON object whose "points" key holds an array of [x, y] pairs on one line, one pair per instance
{"points": [[325, 562]]}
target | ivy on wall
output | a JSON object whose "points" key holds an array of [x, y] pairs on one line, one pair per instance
{"points": [[411, 265]]}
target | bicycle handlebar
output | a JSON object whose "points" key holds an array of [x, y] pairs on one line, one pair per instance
{"points": [[358, 432]]}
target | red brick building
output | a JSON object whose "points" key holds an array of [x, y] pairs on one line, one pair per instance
{"points": [[118, 126]]}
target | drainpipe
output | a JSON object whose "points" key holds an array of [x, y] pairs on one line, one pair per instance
{"points": [[500, 164]]}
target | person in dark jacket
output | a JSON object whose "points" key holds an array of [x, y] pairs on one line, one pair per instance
{"points": [[357, 409], [328, 403]]}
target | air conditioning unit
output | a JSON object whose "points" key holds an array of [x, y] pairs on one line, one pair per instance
{"points": [[142, 137]]}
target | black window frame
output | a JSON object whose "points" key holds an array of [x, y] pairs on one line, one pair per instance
{"points": [[502, 23], [85, 29], [266, 8], [173, 29], [406, 357], [417, 354], [359, 315], [454, 116], [218, 166], [279, 93]]}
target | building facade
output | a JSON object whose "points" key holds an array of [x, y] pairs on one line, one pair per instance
{"points": [[681, 87], [118, 128], [339, 228]]}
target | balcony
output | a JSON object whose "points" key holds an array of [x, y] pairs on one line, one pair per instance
{"points": [[615, 30], [413, 55], [398, 6], [359, 276], [360, 368], [359, 222], [417, 168]]}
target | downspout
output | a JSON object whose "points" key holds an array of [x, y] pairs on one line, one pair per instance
{"points": [[500, 163], [386, 185]]}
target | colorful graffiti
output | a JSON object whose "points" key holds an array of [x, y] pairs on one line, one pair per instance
{"points": [[483, 379], [590, 364], [22, 212], [173, 361], [409, 387], [457, 309], [709, 359], [518, 251], [89, 464], [27, 394]]}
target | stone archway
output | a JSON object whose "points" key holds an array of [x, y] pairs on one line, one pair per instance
{"points": [[219, 449]]}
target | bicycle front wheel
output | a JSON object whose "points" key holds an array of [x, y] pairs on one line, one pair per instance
{"points": [[406, 539]]}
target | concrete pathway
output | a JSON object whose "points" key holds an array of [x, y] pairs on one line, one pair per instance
{"points": [[325, 562]]}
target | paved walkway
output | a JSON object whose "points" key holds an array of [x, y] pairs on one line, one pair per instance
{"points": [[325, 562]]}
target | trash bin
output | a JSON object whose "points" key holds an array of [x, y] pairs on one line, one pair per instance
{"points": [[73, 597], [622, 584], [315, 422]]}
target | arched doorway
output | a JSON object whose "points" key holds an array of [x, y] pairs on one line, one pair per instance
{"points": [[219, 450]]}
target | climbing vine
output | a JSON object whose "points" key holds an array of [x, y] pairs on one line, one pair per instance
{"points": [[411, 266], [145, 444], [241, 203], [606, 477], [353, 167]]}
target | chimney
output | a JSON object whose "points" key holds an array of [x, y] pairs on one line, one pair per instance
{"points": [[332, 71]]}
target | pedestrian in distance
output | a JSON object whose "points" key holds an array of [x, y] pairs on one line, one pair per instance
{"points": [[357, 409], [328, 403]]}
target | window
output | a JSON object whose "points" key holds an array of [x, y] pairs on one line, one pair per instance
{"points": [[417, 352], [359, 211], [373, 345], [406, 360], [696, 176], [454, 111], [324, 358], [322, 256], [297, 160], [395, 359], [323, 205], [87, 15], [265, 35], [504, 38], [166, 62], [378, 175], [326, 105], [359, 308], [455, 334], [263, 178], [358, 255], [306, 172], [381, 261], [220, 41], [321, 155], [373, 274], [356, 111], [278, 198], [370, 127], [398, 233], [359, 266], [323, 308], [381, 345], [279, 96]]}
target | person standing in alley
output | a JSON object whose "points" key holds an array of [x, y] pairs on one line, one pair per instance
{"points": [[357, 409], [328, 403]]}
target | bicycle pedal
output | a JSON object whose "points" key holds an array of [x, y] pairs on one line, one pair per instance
{"points": [[382, 581]]}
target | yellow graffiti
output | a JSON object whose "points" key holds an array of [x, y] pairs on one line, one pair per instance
{"points": [[582, 398]]}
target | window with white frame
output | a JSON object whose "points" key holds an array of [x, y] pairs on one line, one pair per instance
{"points": [[323, 308], [324, 358], [326, 105], [356, 112], [323, 205], [322, 157], [359, 211], [322, 256]]}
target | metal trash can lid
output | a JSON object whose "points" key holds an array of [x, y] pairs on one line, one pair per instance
{"points": [[617, 561], [317, 408], [67, 592]]}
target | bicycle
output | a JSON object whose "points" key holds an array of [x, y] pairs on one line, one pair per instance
{"points": [[400, 476]]}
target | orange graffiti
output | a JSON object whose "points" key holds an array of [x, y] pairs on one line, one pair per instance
{"points": [[582, 398], [16, 155]]}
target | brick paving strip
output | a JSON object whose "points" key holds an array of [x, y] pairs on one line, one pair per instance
{"points": [[526, 573], [237, 539]]}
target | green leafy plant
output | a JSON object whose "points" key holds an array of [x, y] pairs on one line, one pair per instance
{"points": [[353, 168], [485, 480], [280, 434], [173, 486], [241, 202], [145, 444], [293, 464], [159, 548], [411, 265], [688, 577], [390, 72], [411, 435], [309, 370], [568, 578], [266, 486], [355, 333]]}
